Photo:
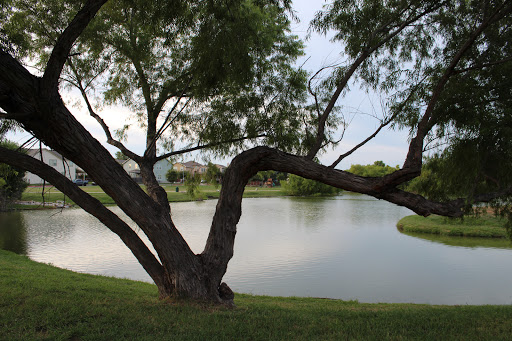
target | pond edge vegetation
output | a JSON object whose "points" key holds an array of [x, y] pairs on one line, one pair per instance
{"points": [[483, 226]]}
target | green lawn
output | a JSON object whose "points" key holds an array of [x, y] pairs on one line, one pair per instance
{"points": [[486, 226], [206, 192], [41, 302]]}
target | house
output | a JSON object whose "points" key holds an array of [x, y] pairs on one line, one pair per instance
{"points": [[221, 168], [160, 169], [54, 160], [191, 167], [132, 168], [195, 167]]}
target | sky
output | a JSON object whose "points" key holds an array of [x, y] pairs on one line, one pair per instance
{"points": [[389, 146]]}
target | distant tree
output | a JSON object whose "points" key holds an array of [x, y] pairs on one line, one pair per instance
{"points": [[171, 175], [120, 156], [260, 176], [379, 168], [281, 176], [212, 174], [443, 179], [192, 182], [265, 175], [297, 185], [12, 183]]}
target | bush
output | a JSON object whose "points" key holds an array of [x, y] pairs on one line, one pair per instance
{"points": [[297, 185], [171, 175], [12, 183]]}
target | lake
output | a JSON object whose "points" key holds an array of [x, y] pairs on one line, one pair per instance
{"points": [[345, 247]]}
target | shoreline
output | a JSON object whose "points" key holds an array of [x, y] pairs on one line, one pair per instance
{"points": [[485, 226], [40, 301]]}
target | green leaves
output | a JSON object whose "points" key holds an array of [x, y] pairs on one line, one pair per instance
{"points": [[230, 62], [297, 185], [212, 175], [12, 183], [378, 169]]}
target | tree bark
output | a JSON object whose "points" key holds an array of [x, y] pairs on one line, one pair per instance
{"points": [[24, 98]]}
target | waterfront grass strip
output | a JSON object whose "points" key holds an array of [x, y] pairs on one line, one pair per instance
{"points": [[485, 226], [53, 195], [41, 302]]}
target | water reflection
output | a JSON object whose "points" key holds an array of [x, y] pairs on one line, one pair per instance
{"points": [[346, 247], [13, 232], [470, 242]]}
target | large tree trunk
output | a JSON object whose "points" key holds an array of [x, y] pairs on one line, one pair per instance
{"points": [[180, 272]]}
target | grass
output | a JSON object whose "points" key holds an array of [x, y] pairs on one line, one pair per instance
{"points": [[42, 302], [485, 226], [206, 192]]}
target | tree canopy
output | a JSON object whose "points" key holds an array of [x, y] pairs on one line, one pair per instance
{"points": [[297, 185], [379, 168], [171, 175], [212, 175], [218, 77]]}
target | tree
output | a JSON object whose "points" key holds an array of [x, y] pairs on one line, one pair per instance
{"points": [[192, 182], [12, 183], [121, 156], [305, 187], [265, 175], [172, 175], [378, 169], [219, 77], [212, 174]]}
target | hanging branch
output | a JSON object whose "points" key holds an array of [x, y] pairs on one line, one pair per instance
{"points": [[483, 66], [106, 129], [384, 124], [65, 41], [414, 155], [188, 150], [350, 72], [164, 126]]}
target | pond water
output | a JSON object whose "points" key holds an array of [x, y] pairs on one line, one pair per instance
{"points": [[346, 247]]}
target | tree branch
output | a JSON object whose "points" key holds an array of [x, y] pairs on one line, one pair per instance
{"points": [[188, 150], [89, 204], [65, 41], [384, 124], [165, 125], [106, 129], [483, 66], [414, 155], [220, 243], [350, 72]]}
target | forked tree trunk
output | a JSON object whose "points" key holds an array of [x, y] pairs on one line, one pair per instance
{"points": [[176, 270]]}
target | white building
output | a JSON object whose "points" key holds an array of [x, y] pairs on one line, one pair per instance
{"points": [[160, 169], [52, 159], [132, 168]]}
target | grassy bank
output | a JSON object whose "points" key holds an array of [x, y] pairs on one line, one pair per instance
{"points": [[486, 226], [206, 192], [39, 301]]}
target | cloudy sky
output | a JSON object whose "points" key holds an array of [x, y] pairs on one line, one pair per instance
{"points": [[389, 146]]}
